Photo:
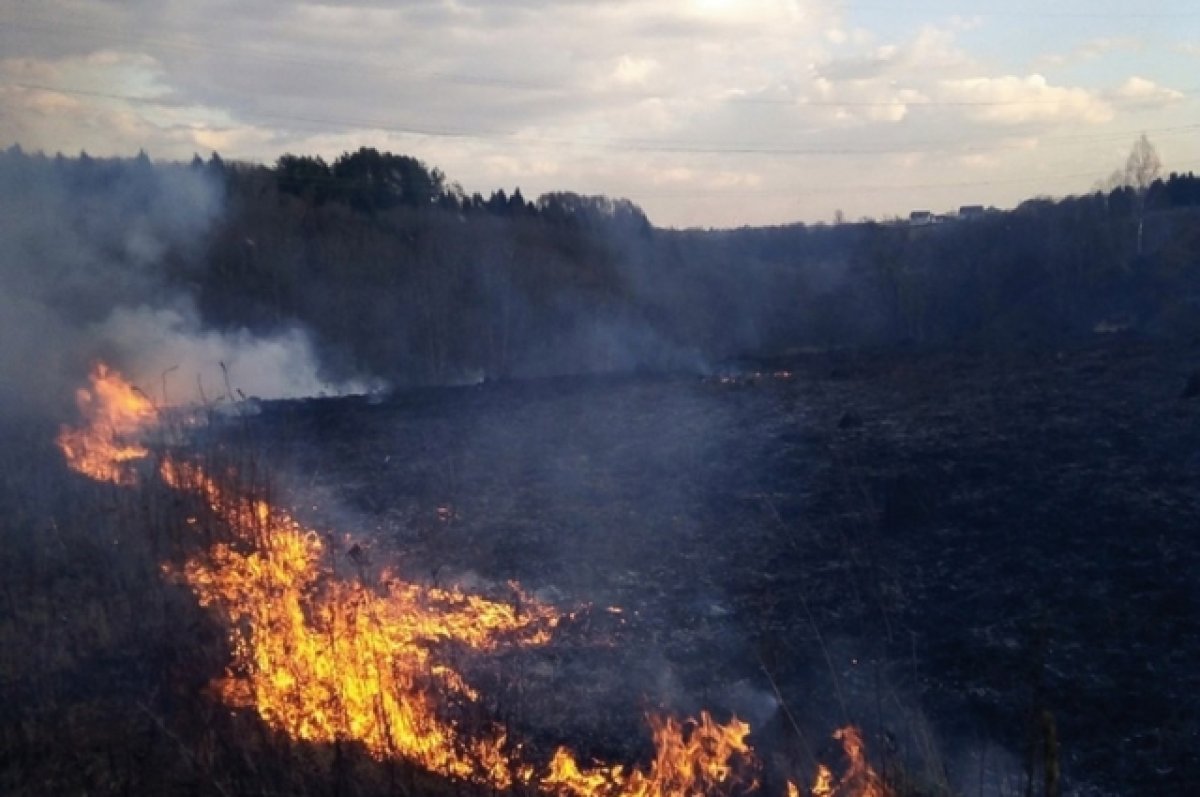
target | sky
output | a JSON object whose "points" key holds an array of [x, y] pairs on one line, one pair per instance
{"points": [[706, 113]]}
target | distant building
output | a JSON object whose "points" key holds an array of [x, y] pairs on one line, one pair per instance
{"points": [[971, 212], [920, 218]]}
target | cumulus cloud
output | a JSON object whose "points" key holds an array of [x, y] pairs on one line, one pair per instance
{"points": [[932, 50], [1140, 91], [109, 102], [1013, 100], [858, 67]]}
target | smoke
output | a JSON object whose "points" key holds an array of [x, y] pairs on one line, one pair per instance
{"points": [[201, 364], [610, 345], [99, 259]]}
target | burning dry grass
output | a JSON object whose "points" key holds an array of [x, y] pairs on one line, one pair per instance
{"points": [[325, 660], [115, 414]]}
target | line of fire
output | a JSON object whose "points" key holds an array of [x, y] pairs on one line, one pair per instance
{"points": [[373, 658]]}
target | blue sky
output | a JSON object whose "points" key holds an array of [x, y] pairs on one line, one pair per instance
{"points": [[704, 112]]}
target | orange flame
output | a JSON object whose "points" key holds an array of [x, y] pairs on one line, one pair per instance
{"points": [[694, 757], [115, 412], [324, 659], [860, 778]]}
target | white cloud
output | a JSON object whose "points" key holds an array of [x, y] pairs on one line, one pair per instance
{"points": [[122, 100], [860, 101], [1091, 50], [744, 13], [1013, 100], [936, 48], [837, 35], [633, 70], [104, 71], [932, 50], [1142, 92], [673, 174]]}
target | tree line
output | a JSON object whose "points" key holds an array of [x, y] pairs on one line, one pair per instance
{"points": [[401, 274]]}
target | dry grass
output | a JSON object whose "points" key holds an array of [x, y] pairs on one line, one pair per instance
{"points": [[105, 665]]}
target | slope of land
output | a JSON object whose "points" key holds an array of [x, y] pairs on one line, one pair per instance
{"points": [[975, 554]]}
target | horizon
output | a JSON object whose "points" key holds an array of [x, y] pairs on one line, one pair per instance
{"points": [[703, 113]]}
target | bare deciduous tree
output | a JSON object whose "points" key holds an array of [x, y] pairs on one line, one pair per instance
{"points": [[1142, 168]]}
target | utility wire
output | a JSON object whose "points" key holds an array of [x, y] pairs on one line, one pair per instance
{"points": [[859, 188], [1031, 12], [635, 145]]}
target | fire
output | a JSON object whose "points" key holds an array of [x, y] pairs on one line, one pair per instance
{"points": [[115, 412], [324, 658], [694, 757], [860, 778]]}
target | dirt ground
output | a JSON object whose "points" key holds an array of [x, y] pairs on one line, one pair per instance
{"points": [[973, 556]]}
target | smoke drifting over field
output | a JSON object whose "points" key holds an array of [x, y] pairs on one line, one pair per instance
{"points": [[96, 260], [376, 265], [201, 364]]}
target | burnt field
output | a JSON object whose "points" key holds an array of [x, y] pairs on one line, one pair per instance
{"points": [[979, 559]]}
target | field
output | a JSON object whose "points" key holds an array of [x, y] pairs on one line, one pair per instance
{"points": [[986, 562]]}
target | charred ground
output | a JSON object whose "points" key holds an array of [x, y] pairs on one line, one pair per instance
{"points": [[978, 557], [983, 560]]}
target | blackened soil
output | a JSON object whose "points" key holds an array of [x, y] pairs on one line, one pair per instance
{"points": [[977, 557]]}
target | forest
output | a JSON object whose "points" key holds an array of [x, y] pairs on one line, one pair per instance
{"points": [[400, 275]]}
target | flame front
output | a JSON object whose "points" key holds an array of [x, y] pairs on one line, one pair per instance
{"points": [[324, 658], [115, 413], [694, 757]]}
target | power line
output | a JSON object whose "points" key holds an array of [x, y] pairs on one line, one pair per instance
{"points": [[859, 188], [922, 103], [693, 192], [633, 145], [1032, 12]]}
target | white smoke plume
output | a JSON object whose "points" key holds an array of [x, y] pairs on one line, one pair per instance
{"points": [[169, 349], [100, 260]]}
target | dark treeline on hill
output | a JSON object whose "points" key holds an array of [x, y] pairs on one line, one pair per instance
{"points": [[400, 274]]}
